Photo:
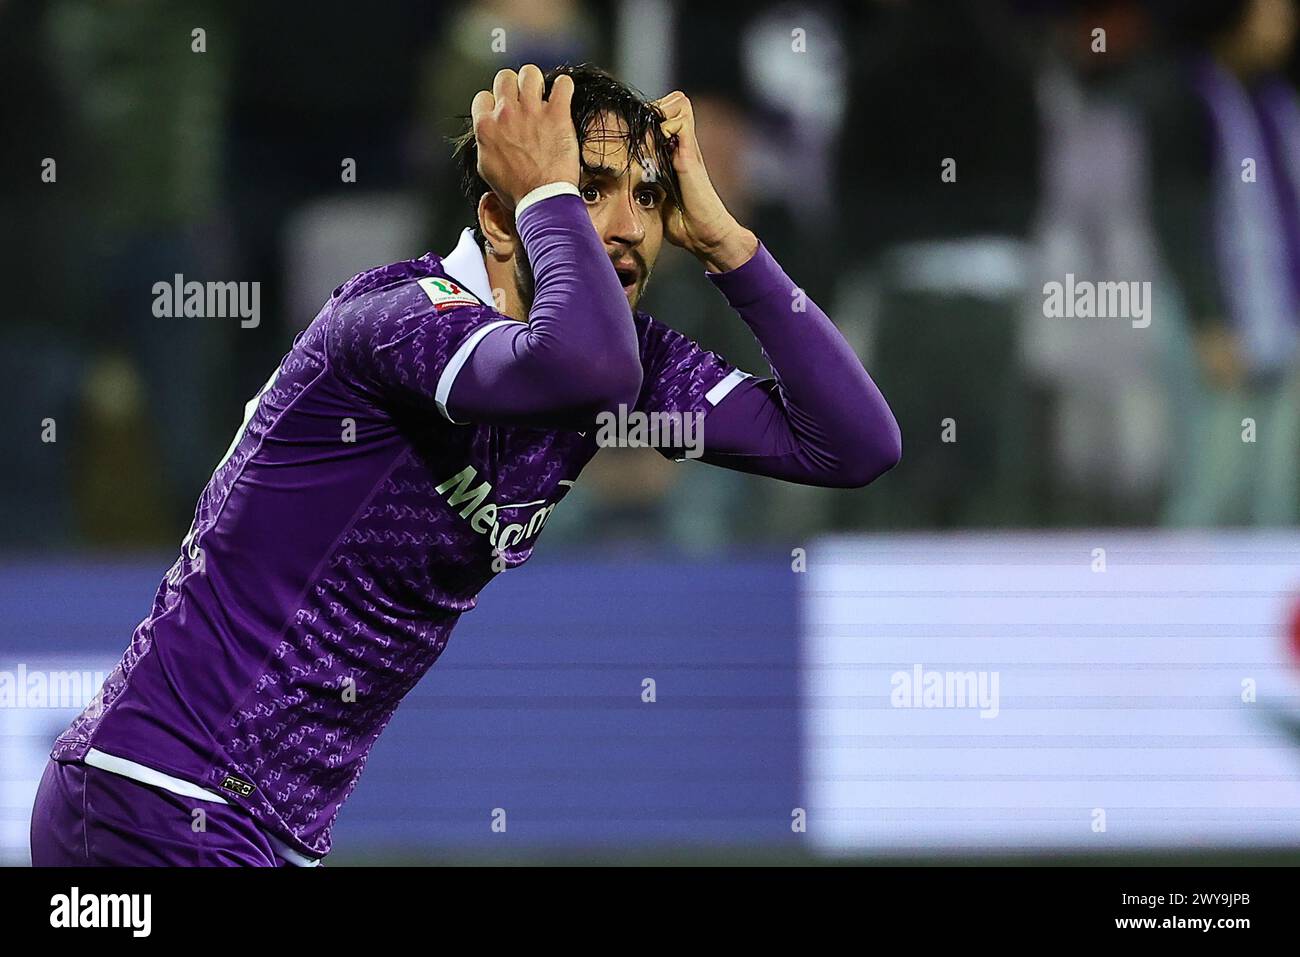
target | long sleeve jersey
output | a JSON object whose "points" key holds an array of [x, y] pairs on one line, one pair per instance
{"points": [[411, 446]]}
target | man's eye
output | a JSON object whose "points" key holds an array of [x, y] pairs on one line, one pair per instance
{"points": [[590, 194]]}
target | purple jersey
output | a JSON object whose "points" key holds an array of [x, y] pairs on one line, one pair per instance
{"points": [[348, 527]]}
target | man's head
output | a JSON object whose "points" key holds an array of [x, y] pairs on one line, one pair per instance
{"points": [[627, 179]]}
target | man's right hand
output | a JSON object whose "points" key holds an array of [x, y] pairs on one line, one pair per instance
{"points": [[523, 140]]}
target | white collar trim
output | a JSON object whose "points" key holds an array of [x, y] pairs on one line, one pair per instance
{"points": [[465, 265]]}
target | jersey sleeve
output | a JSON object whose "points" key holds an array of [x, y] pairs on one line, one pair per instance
{"points": [[680, 376], [405, 344]]}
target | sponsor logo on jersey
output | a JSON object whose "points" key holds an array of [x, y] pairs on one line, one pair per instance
{"points": [[486, 517]]}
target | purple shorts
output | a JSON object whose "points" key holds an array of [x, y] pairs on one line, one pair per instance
{"points": [[88, 817]]}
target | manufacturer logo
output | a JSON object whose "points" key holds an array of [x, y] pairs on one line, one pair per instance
{"points": [[236, 786]]}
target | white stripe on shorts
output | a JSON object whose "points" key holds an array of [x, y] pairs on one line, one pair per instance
{"points": [[147, 775]]}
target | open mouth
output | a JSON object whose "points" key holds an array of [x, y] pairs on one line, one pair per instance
{"points": [[627, 276]]}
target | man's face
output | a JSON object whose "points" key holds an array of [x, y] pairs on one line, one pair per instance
{"points": [[627, 205], [625, 202]]}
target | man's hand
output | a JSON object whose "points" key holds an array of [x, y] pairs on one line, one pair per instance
{"points": [[700, 224], [525, 141]]}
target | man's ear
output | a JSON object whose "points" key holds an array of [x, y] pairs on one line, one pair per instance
{"points": [[498, 225]]}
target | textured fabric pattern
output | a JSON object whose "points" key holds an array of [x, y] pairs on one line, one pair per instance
{"points": [[333, 551]]}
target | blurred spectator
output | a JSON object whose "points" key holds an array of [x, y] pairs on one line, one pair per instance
{"points": [[41, 332], [943, 88], [308, 92], [828, 128], [787, 95], [1094, 378], [148, 106], [1228, 176]]}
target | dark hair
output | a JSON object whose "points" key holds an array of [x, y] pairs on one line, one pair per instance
{"points": [[596, 94]]}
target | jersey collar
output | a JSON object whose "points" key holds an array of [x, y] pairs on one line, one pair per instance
{"points": [[465, 265]]}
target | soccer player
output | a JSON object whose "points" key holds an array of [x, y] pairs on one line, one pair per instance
{"points": [[412, 445]]}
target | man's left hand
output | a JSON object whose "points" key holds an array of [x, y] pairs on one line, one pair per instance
{"points": [[700, 223]]}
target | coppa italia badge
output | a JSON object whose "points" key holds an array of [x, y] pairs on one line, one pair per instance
{"points": [[445, 294]]}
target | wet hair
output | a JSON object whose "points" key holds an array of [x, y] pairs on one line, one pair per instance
{"points": [[597, 97]]}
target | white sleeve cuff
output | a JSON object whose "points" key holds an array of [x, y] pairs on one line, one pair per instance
{"points": [[724, 386], [561, 188]]}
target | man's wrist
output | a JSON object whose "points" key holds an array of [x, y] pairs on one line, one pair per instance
{"points": [[560, 187], [730, 252], [758, 280]]}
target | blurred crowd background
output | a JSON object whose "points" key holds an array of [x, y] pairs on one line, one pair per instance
{"points": [[1113, 156]]}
